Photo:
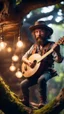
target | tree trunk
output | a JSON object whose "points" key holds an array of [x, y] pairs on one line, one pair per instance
{"points": [[11, 104]]}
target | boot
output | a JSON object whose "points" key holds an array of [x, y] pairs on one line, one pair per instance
{"points": [[25, 101], [42, 102], [43, 92]]}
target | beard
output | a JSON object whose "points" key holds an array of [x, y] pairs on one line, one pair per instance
{"points": [[40, 40]]}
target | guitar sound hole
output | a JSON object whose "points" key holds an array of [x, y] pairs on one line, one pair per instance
{"points": [[25, 68], [34, 63]]}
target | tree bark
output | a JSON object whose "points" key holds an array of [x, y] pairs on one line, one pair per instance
{"points": [[11, 104]]}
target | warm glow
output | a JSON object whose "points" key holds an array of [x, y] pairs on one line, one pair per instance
{"points": [[19, 44], [15, 58], [9, 49], [18, 74], [2, 45], [12, 67]]}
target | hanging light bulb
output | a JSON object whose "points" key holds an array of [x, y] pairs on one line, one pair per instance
{"points": [[2, 44], [18, 73], [19, 43], [12, 67], [15, 58], [9, 49]]}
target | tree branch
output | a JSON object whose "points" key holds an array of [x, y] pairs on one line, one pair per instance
{"points": [[11, 104]]}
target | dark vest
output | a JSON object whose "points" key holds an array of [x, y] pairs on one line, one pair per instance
{"points": [[48, 61]]}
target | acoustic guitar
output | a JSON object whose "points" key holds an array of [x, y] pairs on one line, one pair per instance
{"points": [[36, 59]]}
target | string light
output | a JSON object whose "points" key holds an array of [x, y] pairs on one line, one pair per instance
{"points": [[12, 67], [18, 73], [15, 58], [19, 43], [2, 44], [9, 49]]}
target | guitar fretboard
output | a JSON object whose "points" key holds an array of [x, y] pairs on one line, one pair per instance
{"points": [[45, 55]]}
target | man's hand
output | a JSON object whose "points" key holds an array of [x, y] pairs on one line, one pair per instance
{"points": [[29, 63], [56, 47], [26, 61]]}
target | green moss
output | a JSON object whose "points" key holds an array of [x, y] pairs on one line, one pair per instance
{"points": [[10, 100], [11, 104], [46, 109]]}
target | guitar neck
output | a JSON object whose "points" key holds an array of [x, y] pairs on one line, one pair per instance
{"points": [[45, 55]]}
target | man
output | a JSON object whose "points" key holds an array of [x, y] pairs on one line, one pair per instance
{"points": [[41, 33]]}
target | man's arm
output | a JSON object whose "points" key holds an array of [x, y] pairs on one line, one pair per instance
{"points": [[58, 58], [26, 55]]}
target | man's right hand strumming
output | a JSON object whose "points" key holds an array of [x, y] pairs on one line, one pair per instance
{"points": [[28, 62]]}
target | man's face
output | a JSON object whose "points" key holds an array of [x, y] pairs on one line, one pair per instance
{"points": [[40, 35]]}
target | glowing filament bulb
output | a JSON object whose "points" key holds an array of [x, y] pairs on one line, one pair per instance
{"points": [[2, 45], [18, 74], [19, 44], [12, 67], [9, 49], [15, 58]]}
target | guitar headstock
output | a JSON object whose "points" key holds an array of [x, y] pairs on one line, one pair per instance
{"points": [[61, 41]]}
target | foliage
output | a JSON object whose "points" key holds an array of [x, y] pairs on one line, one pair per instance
{"points": [[18, 2]]}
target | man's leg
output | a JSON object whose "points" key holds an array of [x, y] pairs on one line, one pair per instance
{"points": [[43, 87], [25, 84]]}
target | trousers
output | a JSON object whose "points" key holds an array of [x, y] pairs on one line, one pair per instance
{"points": [[41, 81]]}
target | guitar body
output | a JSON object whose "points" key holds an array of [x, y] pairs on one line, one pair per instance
{"points": [[28, 71]]}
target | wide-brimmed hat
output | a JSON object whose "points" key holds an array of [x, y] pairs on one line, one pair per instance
{"points": [[41, 25]]}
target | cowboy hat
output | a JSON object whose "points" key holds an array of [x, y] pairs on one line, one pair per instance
{"points": [[41, 25]]}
